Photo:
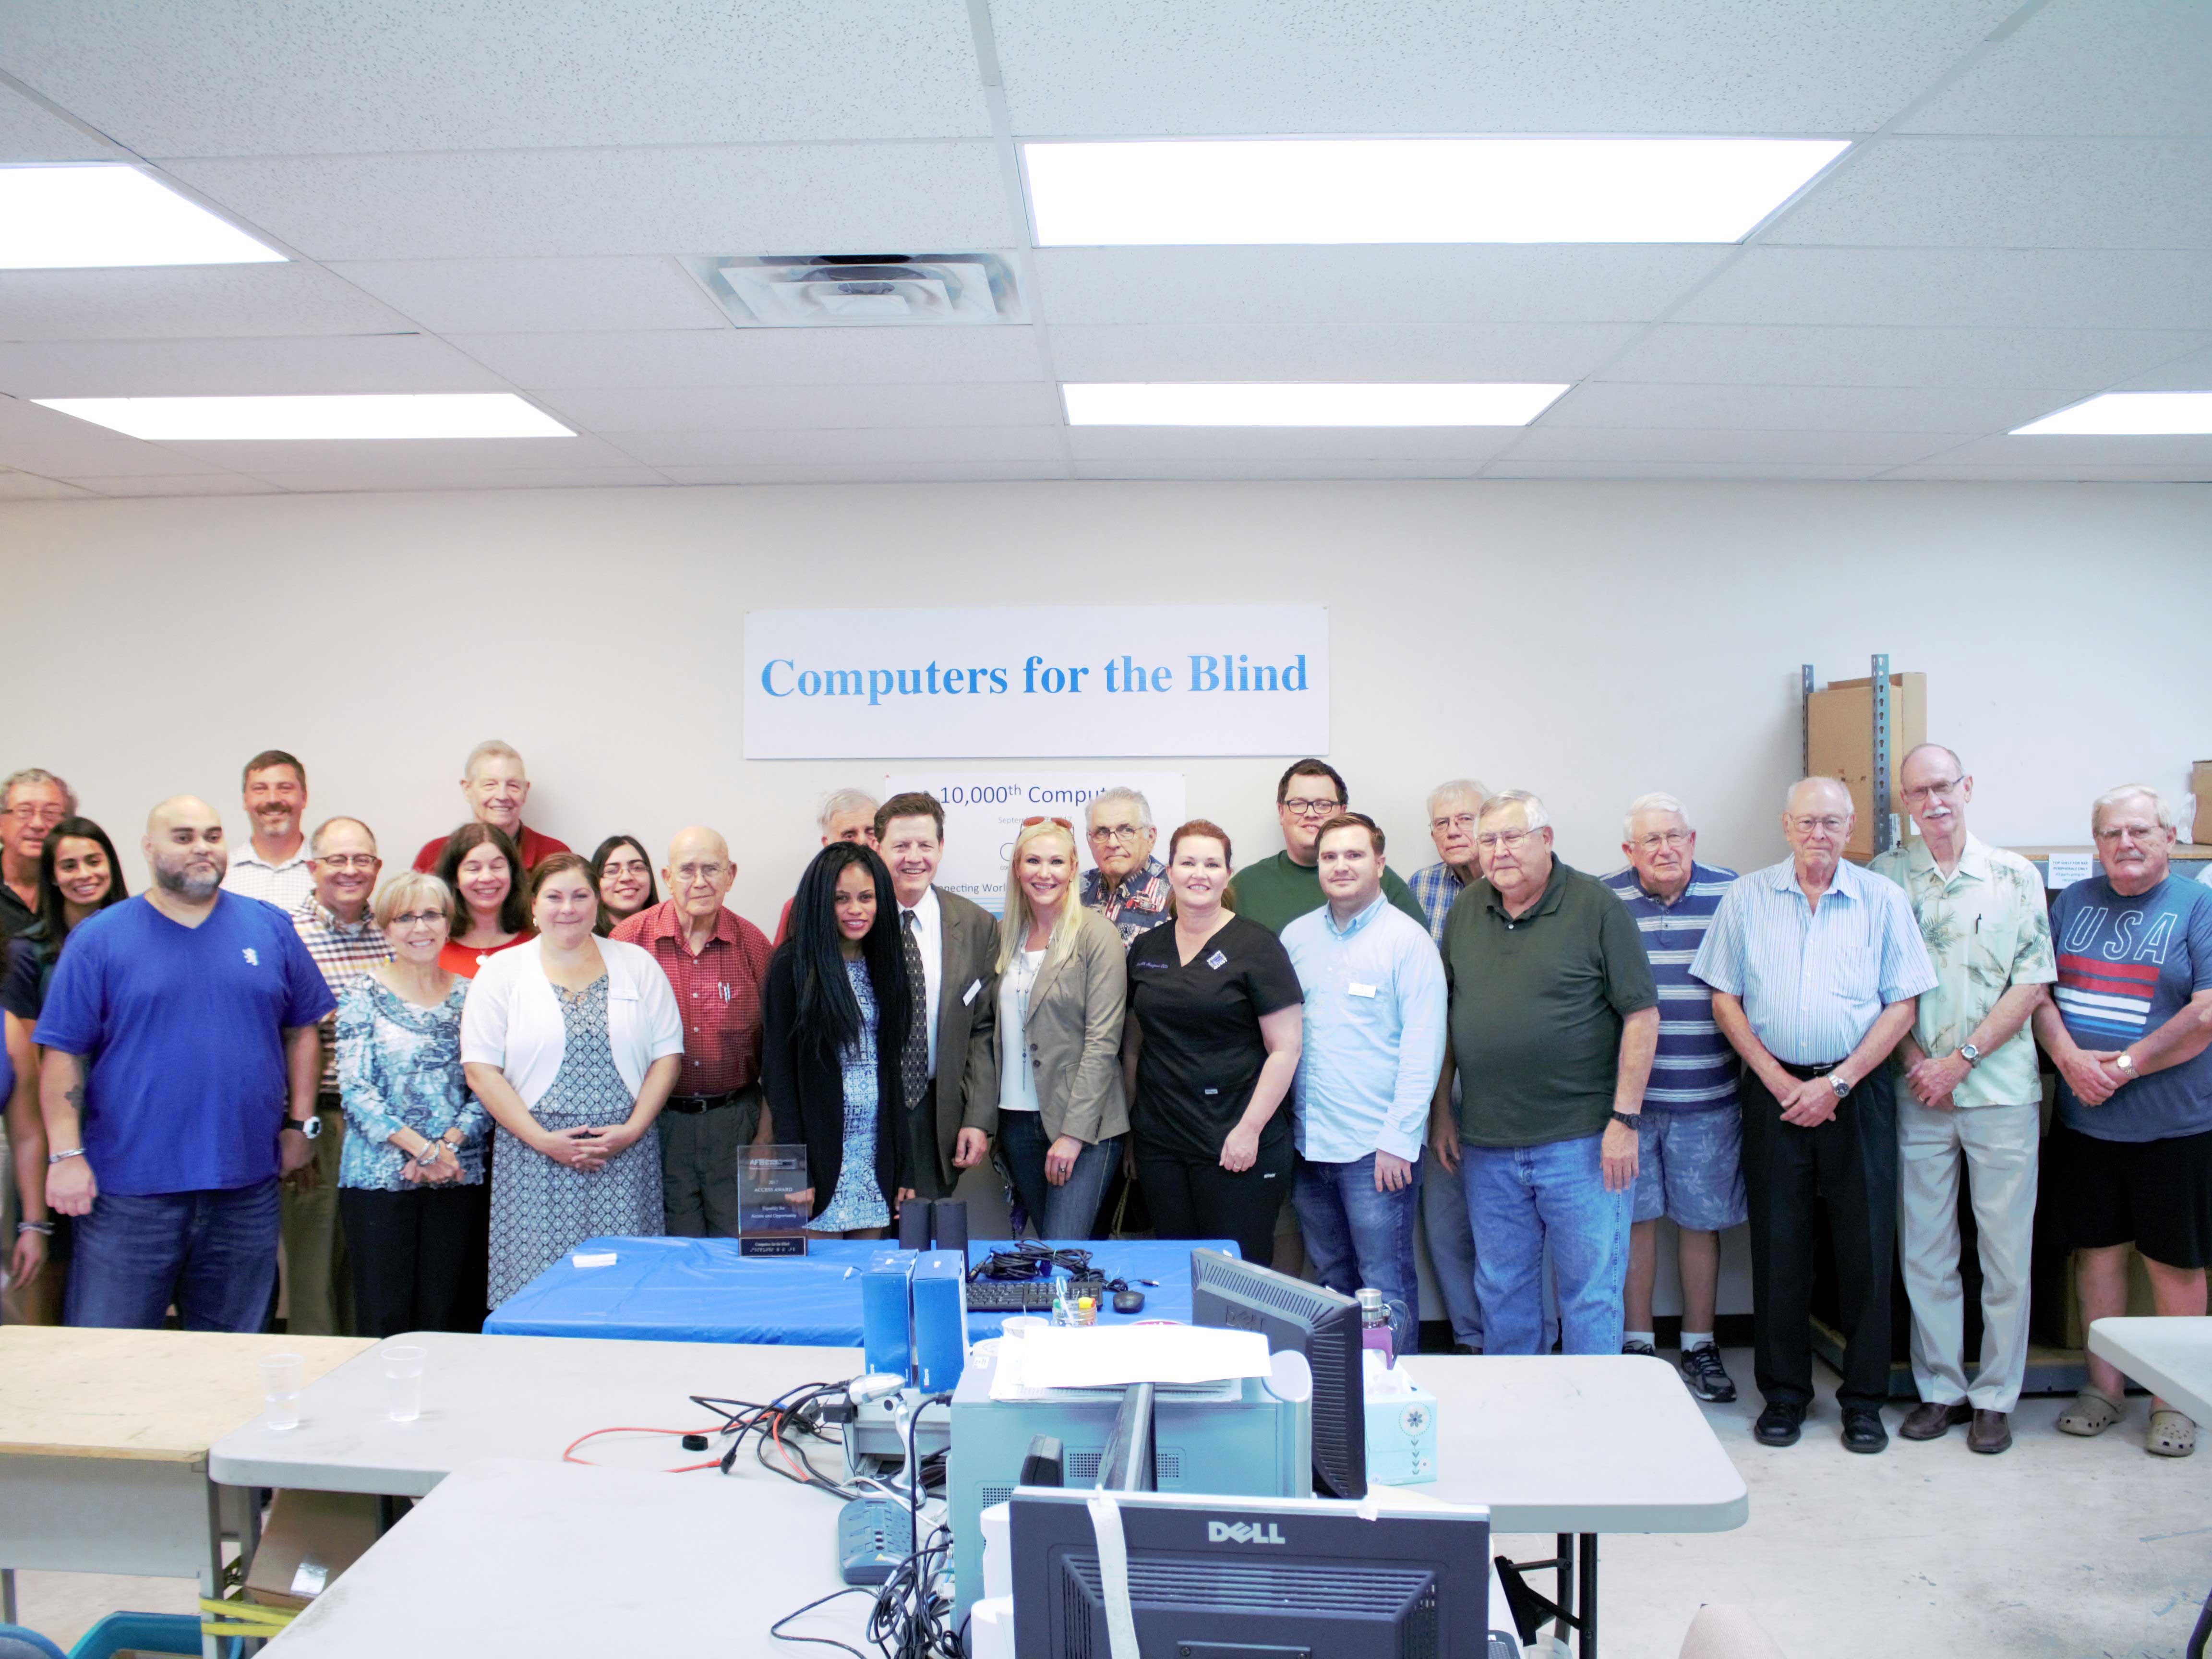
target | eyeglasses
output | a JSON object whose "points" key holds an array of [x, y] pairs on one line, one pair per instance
{"points": [[26, 813], [1652, 844], [1830, 824], [348, 861], [416, 919], [1128, 832], [1311, 808], [1031, 823], [2115, 832], [1509, 839], [688, 874], [1459, 820], [1930, 791]]}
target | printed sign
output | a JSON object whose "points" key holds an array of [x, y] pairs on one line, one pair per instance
{"points": [[983, 812]]}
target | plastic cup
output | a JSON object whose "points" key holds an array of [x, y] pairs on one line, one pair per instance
{"points": [[1020, 1325], [402, 1382], [283, 1377]]}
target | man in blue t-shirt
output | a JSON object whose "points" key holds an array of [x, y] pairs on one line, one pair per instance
{"points": [[178, 1083], [2128, 1029]]}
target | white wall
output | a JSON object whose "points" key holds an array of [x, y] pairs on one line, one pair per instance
{"points": [[1588, 641]]}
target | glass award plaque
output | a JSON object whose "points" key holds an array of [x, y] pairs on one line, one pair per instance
{"points": [[769, 1222]]}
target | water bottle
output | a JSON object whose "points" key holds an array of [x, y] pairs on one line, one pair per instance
{"points": [[1375, 1323]]}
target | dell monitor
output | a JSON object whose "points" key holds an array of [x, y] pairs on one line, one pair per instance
{"points": [[1320, 1323], [1250, 1577]]}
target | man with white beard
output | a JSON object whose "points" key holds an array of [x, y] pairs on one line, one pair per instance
{"points": [[179, 1084]]}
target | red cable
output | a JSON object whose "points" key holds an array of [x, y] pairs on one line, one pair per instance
{"points": [[567, 1455]]}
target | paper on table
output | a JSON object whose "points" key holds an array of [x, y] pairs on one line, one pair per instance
{"points": [[1109, 1356], [2067, 868]]}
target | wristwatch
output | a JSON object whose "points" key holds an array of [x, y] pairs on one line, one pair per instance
{"points": [[1626, 1120], [310, 1128], [2125, 1062], [1843, 1089], [1971, 1054]]}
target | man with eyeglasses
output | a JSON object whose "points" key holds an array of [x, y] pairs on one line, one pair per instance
{"points": [[1126, 884], [2129, 1028], [1690, 1133], [1277, 890], [716, 962], [1972, 1096], [1816, 967], [1453, 808], [1553, 1020], [273, 866], [31, 802], [334, 923]]}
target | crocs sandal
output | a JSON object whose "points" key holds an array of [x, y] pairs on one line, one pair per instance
{"points": [[2172, 1435], [2093, 1412]]}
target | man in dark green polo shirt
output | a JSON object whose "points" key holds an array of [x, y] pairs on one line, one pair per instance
{"points": [[1277, 892], [1554, 1020]]}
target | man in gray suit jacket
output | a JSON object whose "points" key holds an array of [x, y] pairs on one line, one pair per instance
{"points": [[952, 1081]]}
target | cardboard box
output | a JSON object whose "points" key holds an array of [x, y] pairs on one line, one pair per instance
{"points": [[311, 1537], [1839, 743], [2200, 785]]}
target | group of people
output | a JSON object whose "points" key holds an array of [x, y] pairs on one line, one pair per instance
{"points": [[434, 1087]]}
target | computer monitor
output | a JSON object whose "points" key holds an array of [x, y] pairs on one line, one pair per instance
{"points": [[1320, 1323], [1253, 1576]]}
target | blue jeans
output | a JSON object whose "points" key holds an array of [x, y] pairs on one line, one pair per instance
{"points": [[213, 1254], [1451, 1253], [1522, 1198], [1357, 1236], [1065, 1212]]}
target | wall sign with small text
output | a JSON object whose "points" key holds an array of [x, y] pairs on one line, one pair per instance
{"points": [[984, 811], [1088, 680]]}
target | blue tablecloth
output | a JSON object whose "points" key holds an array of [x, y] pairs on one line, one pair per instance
{"points": [[701, 1290]]}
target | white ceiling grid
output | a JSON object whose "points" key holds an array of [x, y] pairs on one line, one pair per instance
{"points": [[489, 195]]}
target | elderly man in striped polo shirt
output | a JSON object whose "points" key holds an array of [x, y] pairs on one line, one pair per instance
{"points": [[1816, 968], [1689, 1165]]}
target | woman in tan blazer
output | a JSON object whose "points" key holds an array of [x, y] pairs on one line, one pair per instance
{"points": [[1062, 986]]}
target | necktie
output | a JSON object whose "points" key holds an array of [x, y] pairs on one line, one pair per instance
{"points": [[914, 1054]]}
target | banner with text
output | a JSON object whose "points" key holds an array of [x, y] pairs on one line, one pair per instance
{"points": [[984, 809], [982, 681]]}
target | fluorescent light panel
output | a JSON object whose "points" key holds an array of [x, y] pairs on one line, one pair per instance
{"points": [[2128, 415], [401, 415], [62, 217], [1307, 403], [1215, 191]]}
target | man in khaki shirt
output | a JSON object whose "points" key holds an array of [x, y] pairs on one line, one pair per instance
{"points": [[1970, 1096]]}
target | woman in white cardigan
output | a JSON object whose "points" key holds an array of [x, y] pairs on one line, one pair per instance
{"points": [[572, 1042]]}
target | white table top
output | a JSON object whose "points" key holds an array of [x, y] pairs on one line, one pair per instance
{"points": [[510, 1396], [1596, 1444], [2172, 1358]]}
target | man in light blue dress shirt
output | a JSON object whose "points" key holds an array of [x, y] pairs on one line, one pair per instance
{"points": [[1817, 968], [1373, 1042]]}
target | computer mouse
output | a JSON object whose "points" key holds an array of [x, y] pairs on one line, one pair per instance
{"points": [[1128, 1302]]}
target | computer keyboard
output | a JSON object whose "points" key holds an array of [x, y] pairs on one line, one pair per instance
{"points": [[1027, 1296]]}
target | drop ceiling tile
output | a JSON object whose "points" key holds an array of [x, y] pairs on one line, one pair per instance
{"points": [[1468, 445], [185, 301], [241, 77], [758, 357], [845, 446], [2013, 193], [1972, 288], [2200, 472], [2192, 372], [1284, 66], [2005, 450], [28, 487], [397, 457], [1801, 408], [45, 441], [197, 484], [1314, 468], [346, 482], [1747, 473], [888, 472], [1519, 351], [1734, 448], [27, 133], [535, 296], [743, 409], [2089, 66], [1369, 285], [184, 368], [777, 198], [1994, 358]]}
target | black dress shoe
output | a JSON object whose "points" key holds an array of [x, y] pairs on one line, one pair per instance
{"points": [[1991, 1433], [1779, 1424], [1931, 1420], [1862, 1430]]}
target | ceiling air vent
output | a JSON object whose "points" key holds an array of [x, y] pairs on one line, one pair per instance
{"points": [[862, 290]]}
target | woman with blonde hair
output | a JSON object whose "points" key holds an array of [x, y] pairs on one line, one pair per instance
{"points": [[1063, 984]]}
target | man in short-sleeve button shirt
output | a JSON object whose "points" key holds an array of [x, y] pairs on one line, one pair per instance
{"points": [[1553, 1021], [179, 1033]]}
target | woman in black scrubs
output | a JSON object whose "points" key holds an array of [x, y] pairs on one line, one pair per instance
{"points": [[1208, 1051]]}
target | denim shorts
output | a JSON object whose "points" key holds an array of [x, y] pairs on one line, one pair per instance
{"points": [[1690, 1169]]}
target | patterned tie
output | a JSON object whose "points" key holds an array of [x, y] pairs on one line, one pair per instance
{"points": [[914, 1054]]}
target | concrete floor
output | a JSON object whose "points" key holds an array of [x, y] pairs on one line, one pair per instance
{"points": [[2058, 1549]]}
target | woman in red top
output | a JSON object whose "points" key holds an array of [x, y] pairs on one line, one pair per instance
{"points": [[481, 865]]}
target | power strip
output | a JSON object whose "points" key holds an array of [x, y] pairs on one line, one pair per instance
{"points": [[874, 1535]]}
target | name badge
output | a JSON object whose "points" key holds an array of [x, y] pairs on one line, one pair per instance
{"points": [[1217, 960], [968, 995], [1359, 990]]}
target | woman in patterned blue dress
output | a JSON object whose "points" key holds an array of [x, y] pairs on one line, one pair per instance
{"points": [[831, 1012], [572, 1042]]}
